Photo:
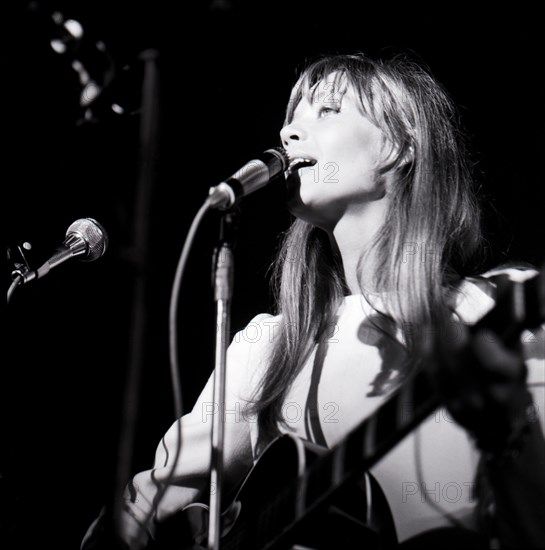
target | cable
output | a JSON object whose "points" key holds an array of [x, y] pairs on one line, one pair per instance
{"points": [[173, 355], [16, 282], [455, 522], [173, 312]]}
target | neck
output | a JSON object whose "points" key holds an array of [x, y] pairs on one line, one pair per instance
{"points": [[352, 236]]}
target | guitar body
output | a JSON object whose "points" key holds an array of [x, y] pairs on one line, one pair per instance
{"points": [[271, 510]]}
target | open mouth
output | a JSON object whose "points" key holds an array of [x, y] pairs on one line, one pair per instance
{"points": [[297, 163]]}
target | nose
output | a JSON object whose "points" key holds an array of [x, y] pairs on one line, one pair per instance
{"points": [[291, 133]]}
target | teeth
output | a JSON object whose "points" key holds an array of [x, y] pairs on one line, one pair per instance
{"points": [[299, 162]]}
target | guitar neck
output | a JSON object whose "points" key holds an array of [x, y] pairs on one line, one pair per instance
{"points": [[405, 408]]}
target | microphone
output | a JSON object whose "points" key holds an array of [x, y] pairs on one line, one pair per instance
{"points": [[85, 239], [252, 176]]}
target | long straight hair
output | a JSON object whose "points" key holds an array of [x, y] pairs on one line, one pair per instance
{"points": [[431, 235]]}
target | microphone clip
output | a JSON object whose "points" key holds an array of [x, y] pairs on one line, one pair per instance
{"points": [[19, 259]]}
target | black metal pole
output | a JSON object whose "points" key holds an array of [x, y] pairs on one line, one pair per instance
{"points": [[140, 258]]}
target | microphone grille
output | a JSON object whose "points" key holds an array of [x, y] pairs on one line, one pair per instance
{"points": [[94, 235], [282, 155]]}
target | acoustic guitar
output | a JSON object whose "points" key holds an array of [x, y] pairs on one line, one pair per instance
{"points": [[292, 479]]}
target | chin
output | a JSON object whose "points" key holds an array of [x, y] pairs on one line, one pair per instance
{"points": [[305, 204], [309, 213]]}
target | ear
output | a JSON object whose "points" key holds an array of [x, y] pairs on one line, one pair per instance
{"points": [[396, 155], [389, 179], [408, 156], [395, 166]]}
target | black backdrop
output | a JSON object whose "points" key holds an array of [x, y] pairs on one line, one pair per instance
{"points": [[226, 68]]}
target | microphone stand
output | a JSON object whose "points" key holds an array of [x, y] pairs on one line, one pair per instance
{"points": [[222, 280]]}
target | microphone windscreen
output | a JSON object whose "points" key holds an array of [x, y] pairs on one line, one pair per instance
{"points": [[94, 234]]}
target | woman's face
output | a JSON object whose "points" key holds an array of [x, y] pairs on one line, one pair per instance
{"points": [[331, 130]]}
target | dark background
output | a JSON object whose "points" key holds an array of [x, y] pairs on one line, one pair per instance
{"points": [[225, 70]]}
